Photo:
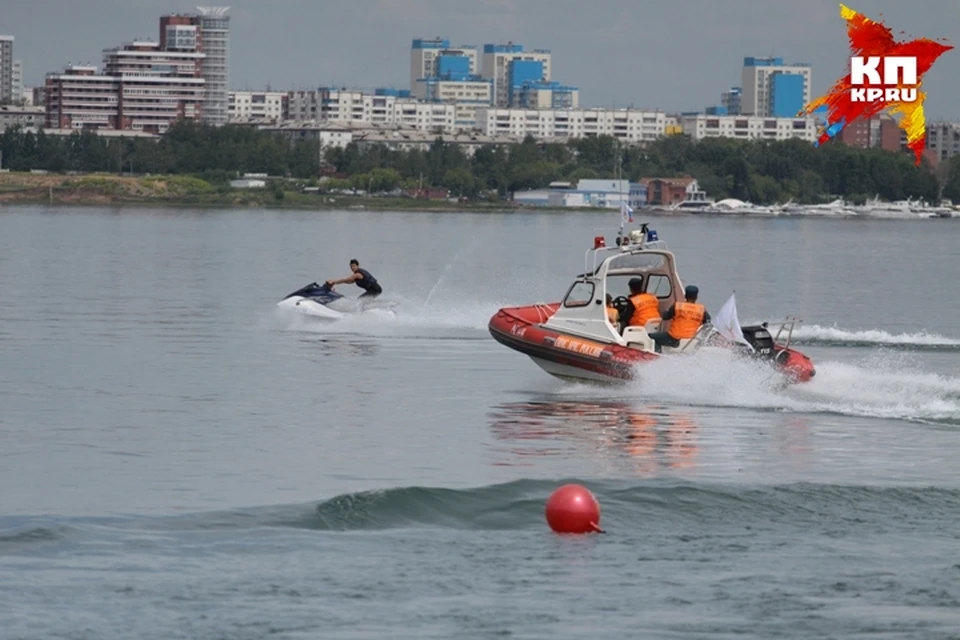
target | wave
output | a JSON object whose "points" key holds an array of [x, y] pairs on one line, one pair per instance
{"points": [[878, 385], [519, 505], [919, 341], [411, 317]]}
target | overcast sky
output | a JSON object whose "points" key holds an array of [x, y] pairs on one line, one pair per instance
{"points": [[668, 54]]}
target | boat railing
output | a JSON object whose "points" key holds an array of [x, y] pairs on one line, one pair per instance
{"points": [[660, 245], [788, 324], [701, 337], [637, 240], [590, 266]]}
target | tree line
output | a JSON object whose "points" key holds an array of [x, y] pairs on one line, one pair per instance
{"points": [[757, 171]]}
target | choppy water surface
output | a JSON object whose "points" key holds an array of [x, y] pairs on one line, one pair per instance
{"points": [[180, 460]]}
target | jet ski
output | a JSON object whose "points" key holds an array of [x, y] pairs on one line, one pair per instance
{"points": [[321, 301]]}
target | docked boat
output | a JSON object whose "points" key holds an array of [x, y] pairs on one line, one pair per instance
{"points": [[574, 338]]}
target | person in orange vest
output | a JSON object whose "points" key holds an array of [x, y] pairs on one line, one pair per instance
{"points": [[687, 319], [643, 307], [612, 314]]}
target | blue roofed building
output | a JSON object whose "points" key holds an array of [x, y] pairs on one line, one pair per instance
{"points": [[771, 88]]}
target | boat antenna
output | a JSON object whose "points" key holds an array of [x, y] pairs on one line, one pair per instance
{"points": [[619, 174]]}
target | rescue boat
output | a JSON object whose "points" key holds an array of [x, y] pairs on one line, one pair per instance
{"points": [[574, 339]]}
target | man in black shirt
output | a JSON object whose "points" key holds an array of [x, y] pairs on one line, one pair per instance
{"points": [[362, 278]]}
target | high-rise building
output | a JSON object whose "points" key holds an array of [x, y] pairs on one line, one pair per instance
{"points": [[6, 69], [208, 31], [505, 76], [215, 43], [771, 88], [434, 58], [510, 67]]}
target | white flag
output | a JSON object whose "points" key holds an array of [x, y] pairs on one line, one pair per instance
{"points": [[626, 212], [727, 323]]}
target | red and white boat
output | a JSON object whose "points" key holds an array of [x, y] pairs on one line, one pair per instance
{"points": [[574, 339]]}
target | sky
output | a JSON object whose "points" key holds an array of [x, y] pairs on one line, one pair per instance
{"points": [[676, 55]]}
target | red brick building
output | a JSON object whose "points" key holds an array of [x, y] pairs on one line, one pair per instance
{"points": [[879, 132], [667, 191]]}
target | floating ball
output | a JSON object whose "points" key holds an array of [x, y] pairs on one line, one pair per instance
{"points": [[573, 509]]}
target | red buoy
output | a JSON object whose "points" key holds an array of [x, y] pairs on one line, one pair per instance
{"points": [[573, 509]]}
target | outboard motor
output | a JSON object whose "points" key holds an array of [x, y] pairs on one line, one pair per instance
{"points": [[760, 339]]}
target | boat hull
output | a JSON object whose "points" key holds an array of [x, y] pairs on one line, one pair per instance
{"points": [[310, 308], [313, 309], [560, 354], [571, 357]]}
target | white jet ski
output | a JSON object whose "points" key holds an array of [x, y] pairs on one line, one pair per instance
{"points": [[321, 301]]}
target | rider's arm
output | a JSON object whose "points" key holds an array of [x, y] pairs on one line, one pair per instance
{"points": [[349, 278]]}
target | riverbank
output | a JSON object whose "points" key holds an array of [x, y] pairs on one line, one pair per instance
{"points": [[183, 191]]}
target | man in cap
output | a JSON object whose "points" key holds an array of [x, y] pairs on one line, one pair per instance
{"points": [[686, 319]]}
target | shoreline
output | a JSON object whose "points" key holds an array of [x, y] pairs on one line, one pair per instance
{"points": [[175, 191], [185, 191]]}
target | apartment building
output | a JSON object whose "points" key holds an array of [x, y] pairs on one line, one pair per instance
{"points": [[879, 132], [700, 126], [508, 66], [384, 106], [943, 139], [270, 105], [433, 58], [26, 117], [143, 88], [629, 125]]}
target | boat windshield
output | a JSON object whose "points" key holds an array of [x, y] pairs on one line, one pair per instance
{"points": [[635, 262]]}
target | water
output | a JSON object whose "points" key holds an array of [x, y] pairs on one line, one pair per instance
{"points": [[180, 460]]}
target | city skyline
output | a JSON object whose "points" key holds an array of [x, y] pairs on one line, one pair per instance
{"points": [[681, 69]]}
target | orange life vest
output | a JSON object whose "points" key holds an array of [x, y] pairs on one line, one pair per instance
{"points": [[687, 318], [613, 315], [646, 307]]}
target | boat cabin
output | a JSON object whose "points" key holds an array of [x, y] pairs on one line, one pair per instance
{"points": [[640, 254]]}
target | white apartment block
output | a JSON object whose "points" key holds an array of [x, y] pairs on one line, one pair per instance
{"points": [[702, 126], [757, 86], [401, 140], [629, 125], [359, 107], [495, 66], [256, 104], [424, 55]]}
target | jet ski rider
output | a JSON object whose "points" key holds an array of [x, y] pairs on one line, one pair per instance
{"points": [[362, 278]]}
